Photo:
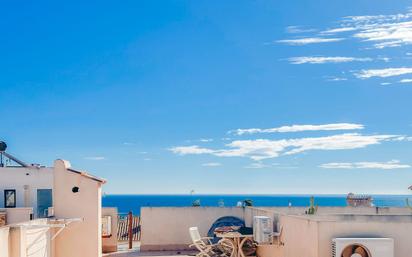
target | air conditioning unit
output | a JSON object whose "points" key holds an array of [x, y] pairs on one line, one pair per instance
{"points": [[262, 229], [362, 247], [50, 212]]}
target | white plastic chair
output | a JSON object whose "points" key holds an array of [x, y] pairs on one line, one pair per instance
{"points": [[203, 244]]}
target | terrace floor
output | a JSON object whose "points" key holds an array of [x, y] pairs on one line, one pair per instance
{"points": [[150, 254], [123, 251]]}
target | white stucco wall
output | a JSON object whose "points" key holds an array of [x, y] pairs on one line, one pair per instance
{"points": [[311, 235], [110, 244], [4, 241], [322, 210], [79, 239], [28, 239], [18, 178], [167, 228], [398, 227], [302, 235], [17, 215]]}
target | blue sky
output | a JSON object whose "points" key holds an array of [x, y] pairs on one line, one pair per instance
{"points": [[256, 97]]}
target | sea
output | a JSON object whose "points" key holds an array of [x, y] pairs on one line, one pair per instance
{"points": [[126, 203]]}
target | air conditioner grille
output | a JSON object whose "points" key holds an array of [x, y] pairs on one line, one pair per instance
{"points": [[333, 249]]}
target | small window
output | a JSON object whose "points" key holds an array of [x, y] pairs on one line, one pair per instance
{"points": [[9, 198]]}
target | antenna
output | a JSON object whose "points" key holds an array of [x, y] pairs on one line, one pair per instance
{"points": [[3, 147]]}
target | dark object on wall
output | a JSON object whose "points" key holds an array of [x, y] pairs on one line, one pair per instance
{"points": [[75, 189]]}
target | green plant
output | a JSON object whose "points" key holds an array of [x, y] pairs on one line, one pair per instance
{"points": [[221, 203], [247, 202], [196, 203], [408, 204], [312, 208]]}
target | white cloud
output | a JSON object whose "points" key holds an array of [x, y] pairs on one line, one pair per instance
{"points": [[378, 18], [298, 29], [206, 140], [300, 128], [405, 81], [394, 164], [383, 73], [256, 165], [385, 83], [338, 30], [336, 79], [211, 164], [385, 59], [193, 149], [388, 35], [403, 138], [309, 40], [321, 60], [380, 31], [261, 149], [336, 142], [94, 158]]}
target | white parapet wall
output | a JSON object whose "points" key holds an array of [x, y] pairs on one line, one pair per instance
{"points": [[109, 242], [312, 235], [4, 241], [167, 228], [17, 215]]}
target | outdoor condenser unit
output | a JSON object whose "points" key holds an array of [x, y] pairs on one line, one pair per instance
{"points": [[362, 247], [50, 212], [262, 229]]}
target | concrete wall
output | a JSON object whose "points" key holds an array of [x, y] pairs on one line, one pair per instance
{"points": [[16, 243], [398, 227], [300, 237], [339, 210], [168, 228], [17, 215], [311, 235], [25, 181], [79, 239], [4, 242], [27, 239], [110, 244]]}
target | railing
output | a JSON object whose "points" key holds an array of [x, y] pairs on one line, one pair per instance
{"points": [[123, 227]]}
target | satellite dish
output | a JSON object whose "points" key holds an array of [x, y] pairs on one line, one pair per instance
{"points": [[3, 146]]}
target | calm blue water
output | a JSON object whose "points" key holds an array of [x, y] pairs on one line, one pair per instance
{"points": [[126, 203]]}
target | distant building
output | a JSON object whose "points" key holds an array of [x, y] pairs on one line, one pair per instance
{"points": [[67, 201], [359, 200], [24, 185]]}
